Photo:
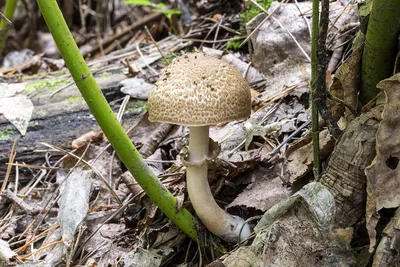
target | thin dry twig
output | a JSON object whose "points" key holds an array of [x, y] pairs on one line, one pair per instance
{"points": [[155, 43], [144, 60], [32, 166], [34, 239], [120, 209], [41, 248], [102, 179], [217, 31], [211, 42], [9, 23], [10, 160]]}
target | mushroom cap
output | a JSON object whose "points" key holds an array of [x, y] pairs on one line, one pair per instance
{"points": [[199, 90]]}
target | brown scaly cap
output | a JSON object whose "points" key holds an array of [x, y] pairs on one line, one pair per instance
{"points": [[199, 90]]}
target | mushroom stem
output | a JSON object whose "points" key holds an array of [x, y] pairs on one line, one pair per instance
{"points": [[215, 219]]}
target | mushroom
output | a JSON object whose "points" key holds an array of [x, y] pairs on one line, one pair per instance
{"points": [[197, 91]]}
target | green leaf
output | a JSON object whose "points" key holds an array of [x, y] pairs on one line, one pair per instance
{"points": [[139, 2]]}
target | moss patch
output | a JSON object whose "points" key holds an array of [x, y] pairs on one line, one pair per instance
{"points": [[251, 11], [48, 84], [137, 107], [73, 99], [6, 134], [105, 74]]}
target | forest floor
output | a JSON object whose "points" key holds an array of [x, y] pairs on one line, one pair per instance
{"points": [[60, 177]]}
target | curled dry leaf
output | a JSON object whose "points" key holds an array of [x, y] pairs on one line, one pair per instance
{"points": [[346, 83], [383, 175], [92, 136]]}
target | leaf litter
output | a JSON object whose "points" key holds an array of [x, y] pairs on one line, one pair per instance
{"points": [[96, 215]]}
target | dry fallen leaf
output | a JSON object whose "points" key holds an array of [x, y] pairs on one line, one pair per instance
{"points": [[300, 156], [17, 110], [383, 175], [74, 202]]}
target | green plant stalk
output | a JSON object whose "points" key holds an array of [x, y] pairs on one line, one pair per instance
{"points": [[314, 73], [8, 12], [380, 46], [108, 122]]}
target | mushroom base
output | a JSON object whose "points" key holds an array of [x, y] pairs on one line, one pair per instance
{"points": [[215, 219]]}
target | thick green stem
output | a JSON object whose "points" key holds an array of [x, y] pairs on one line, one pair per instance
{"points": [[8, 12], [380, 46], [314, 73], [108, 122]]}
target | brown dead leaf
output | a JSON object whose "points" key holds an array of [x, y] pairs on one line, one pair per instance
{"points": [[266, 191], [383, 176], [346, 83], [300, 158]]}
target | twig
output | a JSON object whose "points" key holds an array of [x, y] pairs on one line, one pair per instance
{"points": [[211, 42], [82, 16], [9, 23], [155, 43], [42, 174], [102, 179], [33, 166], [278, 147], [10, 160], [217, 31], [23, 205], [208, 33], [123, 107], [61, 88], [224, 27], [340, 101], [119, 35], [106, 221], [144, 60]]}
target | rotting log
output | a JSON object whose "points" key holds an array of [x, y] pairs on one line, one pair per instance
{"points": [[58, 120]]}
